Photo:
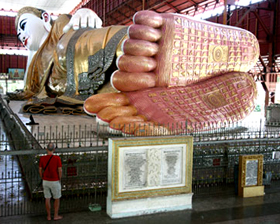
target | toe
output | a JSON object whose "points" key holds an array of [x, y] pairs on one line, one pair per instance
{"points": [[142, 32], [131, 63], [109, 113], [149, 18], [126, 81], [139, 47], [97, 102]]}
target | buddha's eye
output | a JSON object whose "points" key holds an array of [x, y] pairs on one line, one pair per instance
{"points": [[22, 26]]}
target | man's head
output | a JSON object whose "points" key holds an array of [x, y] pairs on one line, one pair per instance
{"points": [[32, 26], [51, 147]]}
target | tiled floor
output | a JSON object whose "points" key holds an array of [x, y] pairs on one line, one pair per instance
{"points": [[219, 209]]}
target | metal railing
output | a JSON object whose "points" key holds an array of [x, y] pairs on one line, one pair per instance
{"points": [[84, 182], [73, 136], [84, 179]]}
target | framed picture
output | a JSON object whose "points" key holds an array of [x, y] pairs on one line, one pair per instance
{"points": [[250, 175], [251, 170], [150, 167], [16, 73]]}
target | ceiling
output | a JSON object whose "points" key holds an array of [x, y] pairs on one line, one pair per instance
{"points": [[52, 6]]}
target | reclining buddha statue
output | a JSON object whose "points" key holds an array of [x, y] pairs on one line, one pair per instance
{"points": [[165, 69]]}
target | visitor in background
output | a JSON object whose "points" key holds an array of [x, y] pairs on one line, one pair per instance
{"points": [[50, 170]]}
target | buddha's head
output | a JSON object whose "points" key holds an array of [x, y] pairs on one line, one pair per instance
{"points": [[32, 26]]}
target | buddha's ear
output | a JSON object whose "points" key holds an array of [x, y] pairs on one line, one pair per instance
{"points": [[47, 21]]}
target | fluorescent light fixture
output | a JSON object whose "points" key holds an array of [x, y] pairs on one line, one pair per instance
{"points": [[247, 2], [8, 13], [210, 13], [219, 10], [14, 52]]}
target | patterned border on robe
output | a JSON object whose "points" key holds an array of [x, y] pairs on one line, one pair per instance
{"points": [[98, 63]]}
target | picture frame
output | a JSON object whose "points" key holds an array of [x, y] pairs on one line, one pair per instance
{"points": [[250, 175], [16, 73], [150, 167]]}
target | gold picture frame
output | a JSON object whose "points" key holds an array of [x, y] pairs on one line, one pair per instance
{"points": [[151, 158], [250, 175]]}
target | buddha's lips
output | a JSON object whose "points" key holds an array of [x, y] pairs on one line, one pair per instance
{"points": [[25, 42]]}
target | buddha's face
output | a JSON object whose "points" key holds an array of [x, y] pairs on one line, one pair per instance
{"points": [[31, 31]]}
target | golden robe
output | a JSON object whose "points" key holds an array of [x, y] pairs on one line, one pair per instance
{"points": [[70, 67]]}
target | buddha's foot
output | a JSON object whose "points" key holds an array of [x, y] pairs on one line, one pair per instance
{"points": [[229, 97], [174, 50], [176, 70]]}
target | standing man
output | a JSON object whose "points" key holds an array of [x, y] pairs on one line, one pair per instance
{"points": [[50, 170]]}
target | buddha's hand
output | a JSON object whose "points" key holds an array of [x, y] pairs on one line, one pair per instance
{"points": [[83, 18], [176, 69]]}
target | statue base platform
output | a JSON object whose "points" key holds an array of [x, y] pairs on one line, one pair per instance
{"points": [[137, 207], [148, 175], [254, 191]]}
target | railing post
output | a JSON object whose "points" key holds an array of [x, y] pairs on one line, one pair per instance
{"points": [[260, 132], [97, 133]]}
